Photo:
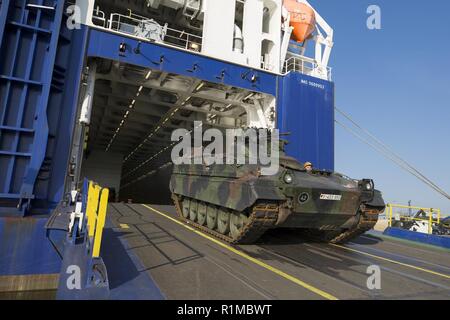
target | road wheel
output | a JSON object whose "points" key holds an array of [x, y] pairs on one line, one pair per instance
{"points": [[186, 205], [211, 217], [237, 223], [193, 210], [223, 221], [201, 214]]}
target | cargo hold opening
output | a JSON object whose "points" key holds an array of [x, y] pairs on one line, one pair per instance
{"points": [[127, 144]]}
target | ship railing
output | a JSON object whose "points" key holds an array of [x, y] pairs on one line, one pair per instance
{"points": [[266, 63], [183, 39], [99, 18], [401, 216], [129, 24], [306, 66]]}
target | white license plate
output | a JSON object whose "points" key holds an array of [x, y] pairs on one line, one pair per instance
{"points": [[331, 197]]}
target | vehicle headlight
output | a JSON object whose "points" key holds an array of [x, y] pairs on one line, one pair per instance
{"points": [[366, 185], [288, 178]]}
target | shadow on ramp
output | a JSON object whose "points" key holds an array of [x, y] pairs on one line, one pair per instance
{"points": [[127, 277]]}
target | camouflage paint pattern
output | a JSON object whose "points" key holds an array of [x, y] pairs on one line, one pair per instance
{"points": [[238, 187]]}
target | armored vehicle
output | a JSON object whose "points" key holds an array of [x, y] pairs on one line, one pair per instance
{"points": [[236, 203]]}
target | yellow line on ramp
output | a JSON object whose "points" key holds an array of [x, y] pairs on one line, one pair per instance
{"points": [[249, 258], [393, 261]]}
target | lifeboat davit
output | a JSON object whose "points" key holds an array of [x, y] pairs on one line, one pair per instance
{"points": [[303, 19]]}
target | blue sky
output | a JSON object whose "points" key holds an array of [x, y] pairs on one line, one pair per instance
{"points": [[396, 83]]}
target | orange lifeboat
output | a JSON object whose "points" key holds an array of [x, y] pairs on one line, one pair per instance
{"points": [[303, 19]]}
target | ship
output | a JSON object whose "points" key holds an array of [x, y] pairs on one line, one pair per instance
{"points": [[91, 90]]}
